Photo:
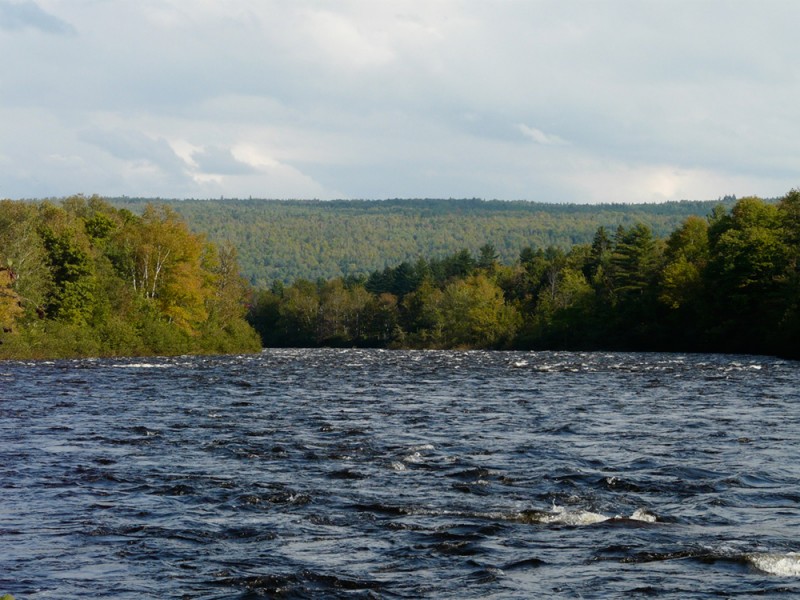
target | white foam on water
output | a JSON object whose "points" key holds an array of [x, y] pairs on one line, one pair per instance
{"points": [[416, 453], [422, 447], [642, 514], [563, 516], [414, 457], [785, 565]]}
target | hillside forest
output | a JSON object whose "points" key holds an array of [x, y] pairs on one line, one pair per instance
{"points": [[727, 282], [288, 240], [85, 277]]}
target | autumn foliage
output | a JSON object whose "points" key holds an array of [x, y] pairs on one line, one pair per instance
{"points": [[83, 278]]}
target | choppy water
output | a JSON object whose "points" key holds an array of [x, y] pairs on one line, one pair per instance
{"points": [[353, 473]]}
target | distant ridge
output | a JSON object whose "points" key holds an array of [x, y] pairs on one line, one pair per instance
{"points": [[311, 239]]}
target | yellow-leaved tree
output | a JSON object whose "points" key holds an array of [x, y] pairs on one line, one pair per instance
{"points": [[163, 262], [10, 305]]}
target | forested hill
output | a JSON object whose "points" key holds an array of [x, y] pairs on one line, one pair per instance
{"points": [[292, 239], [726, 283]]}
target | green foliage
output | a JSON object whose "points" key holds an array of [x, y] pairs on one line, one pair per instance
{"points": [[290, 240], [634, 262], [475, 315], [84, 278], [298, 314], [422, 314], [729, 282], [70, 264], [22, 251], [748, 274]]}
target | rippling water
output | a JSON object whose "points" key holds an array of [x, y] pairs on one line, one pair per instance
{"points": [[356, 473]]}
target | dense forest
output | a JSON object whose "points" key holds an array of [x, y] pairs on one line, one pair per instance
{"points": [[726, 282], [289, 240], [82, 278]]}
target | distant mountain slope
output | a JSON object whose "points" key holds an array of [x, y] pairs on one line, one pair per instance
{"points": [[287, 240]]}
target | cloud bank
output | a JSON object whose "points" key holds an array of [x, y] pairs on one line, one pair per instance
{"points": [[23, 15], [617, 101]]}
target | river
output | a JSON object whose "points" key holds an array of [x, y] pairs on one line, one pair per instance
{"points": [[394, 474]]}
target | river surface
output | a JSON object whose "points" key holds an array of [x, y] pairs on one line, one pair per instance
{"points": [[388, 474]]}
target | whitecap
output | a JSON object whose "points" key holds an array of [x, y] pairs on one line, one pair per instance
{"points": [[574, 517], [414, 457], [785, 565], [563, 516], [642, 514], [422, 447]]}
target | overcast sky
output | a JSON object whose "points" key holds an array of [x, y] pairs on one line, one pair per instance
{"points": [[562, 101]]}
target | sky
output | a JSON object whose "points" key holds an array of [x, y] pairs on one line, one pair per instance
{"points": [[550, 101]]}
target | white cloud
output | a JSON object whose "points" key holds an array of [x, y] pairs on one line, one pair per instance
{"points": [[26, 14], [338, 39], [540, 137], [515, 99], [220, 161], [135, 146]]}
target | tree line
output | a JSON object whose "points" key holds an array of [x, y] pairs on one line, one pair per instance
{"points": [[84, 277], [80, 278], [727, 282]]}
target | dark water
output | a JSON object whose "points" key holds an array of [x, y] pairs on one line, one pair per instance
{"points": [[331, 473]]}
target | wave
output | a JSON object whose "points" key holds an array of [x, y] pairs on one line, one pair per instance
{"points": [[143, 366], [557, 516], [782, 564], [562, 516]]}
